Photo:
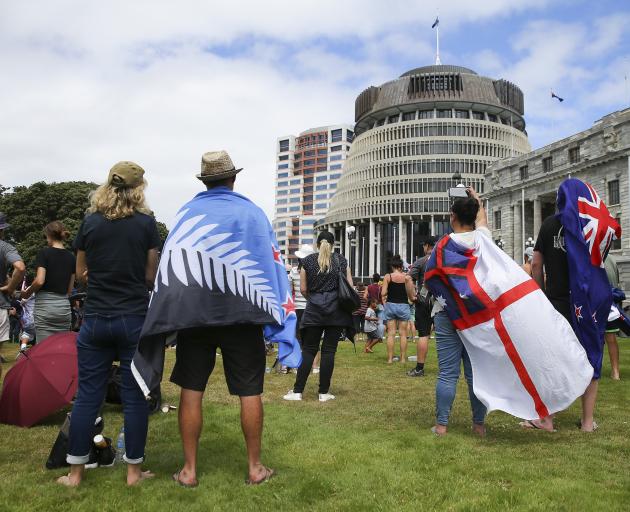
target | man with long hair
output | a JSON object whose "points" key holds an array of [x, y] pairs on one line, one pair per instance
{"points": [[117, 247]]}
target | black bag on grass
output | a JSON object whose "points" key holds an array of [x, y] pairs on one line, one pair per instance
{"points": [[57, 457]]}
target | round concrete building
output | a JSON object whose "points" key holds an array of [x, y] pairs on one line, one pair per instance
{"points": [[415, 137]]}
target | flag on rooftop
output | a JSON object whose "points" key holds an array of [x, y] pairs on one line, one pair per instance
{"points": [[436, 22]]}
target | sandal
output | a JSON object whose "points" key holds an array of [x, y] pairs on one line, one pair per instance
{"points": [[269, 473], [184, 484]]}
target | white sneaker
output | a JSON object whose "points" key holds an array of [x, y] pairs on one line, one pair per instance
{"points": [[293, 396], [315, 370], [324, 397]]}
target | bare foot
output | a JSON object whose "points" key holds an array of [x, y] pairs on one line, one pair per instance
{"points": [[439, 430], [185, 479], [479, 429], [136, 478], [614, 376], [259, 474], [69, 481]]}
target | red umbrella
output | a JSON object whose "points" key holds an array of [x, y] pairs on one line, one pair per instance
{"points": [[41, 382]]}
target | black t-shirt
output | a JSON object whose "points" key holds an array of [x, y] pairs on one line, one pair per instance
{"points": [[59, 265], [323, 281], [550, 244], [116, 256]]}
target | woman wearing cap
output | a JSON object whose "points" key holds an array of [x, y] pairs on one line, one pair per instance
{"points": [[117, 251], [319, 283], [52, 284]]}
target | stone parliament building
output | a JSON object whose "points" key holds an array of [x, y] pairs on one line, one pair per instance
{"points": [[520, 192]]}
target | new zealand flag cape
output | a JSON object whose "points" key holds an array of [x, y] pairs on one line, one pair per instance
{"points": [[525, 357], [617, 318], [220, 266], [589, 229]]}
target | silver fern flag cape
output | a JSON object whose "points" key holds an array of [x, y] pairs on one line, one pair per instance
{"points": [[220, 265]]}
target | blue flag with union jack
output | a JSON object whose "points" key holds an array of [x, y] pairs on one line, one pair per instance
{"points": [[589, 230], [220, 265]]}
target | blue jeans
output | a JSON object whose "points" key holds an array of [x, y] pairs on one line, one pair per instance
{"points": [[451, 352], [102, 339]]}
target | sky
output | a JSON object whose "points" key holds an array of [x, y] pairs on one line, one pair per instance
{"points": [[86, 84]]}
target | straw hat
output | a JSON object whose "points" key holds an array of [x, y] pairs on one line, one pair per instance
{"points": [[304, 251], [217, 165]]}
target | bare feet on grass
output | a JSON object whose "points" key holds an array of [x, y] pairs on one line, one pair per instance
{"points": [[69, 480], [135, 475], [479, 429]]}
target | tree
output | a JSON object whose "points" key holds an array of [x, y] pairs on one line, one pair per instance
{"points": [[29, 209]]}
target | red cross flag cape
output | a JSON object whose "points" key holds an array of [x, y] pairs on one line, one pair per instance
{"points": [[525, 357]]}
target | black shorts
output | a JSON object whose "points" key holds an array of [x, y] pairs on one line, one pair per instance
{"points": [[242, 350], [423, 318]]}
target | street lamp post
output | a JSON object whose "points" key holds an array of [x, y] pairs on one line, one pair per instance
{"points": [[362, 254], [500, 243]]}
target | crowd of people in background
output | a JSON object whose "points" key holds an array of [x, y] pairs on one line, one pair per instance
{"points": [[116, 257]]}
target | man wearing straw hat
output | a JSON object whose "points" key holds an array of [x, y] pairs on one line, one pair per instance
{"points": [[221, 284]]}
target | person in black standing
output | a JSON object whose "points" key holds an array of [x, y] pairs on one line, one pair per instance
{"points": [[319, 283], [117, 252], [550, 269], [53, 283]]}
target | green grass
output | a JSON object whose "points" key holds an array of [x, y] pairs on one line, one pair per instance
{"points": [[371, 449]]}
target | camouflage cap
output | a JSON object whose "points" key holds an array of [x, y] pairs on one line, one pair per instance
{"points": [[126, 174]]}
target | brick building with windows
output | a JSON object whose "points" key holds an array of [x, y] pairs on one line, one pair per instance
{"points": [[308, 168], [521, 192]]}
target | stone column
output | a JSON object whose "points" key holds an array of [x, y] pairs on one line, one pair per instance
{"points": [[346, 242], [432, 225], [357, 242], [537, 217], [402, 239], [517, 250], [370, 246], [378, 250]]}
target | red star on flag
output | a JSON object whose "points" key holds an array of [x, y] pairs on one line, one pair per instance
{"points": [[277, 255], [578, 312], [288, 306]]}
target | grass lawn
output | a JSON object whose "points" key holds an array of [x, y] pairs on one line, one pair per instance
{"points": [[371, 449]]}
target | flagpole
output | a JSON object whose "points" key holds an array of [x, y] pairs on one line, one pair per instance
{"points": [[437, 45], [522, 221]]}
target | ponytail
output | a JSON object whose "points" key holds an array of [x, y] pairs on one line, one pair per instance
{"points": [[325, 252]]}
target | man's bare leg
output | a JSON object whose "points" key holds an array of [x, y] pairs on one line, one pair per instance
{"points": [[422, 348], [252, 425], [613, 353], [190, 423], [588, 406]]}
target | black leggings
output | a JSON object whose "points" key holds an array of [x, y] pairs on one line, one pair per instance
{"points": [[310, 345]]}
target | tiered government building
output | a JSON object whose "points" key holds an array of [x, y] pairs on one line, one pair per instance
{"points": [[415, 137]]}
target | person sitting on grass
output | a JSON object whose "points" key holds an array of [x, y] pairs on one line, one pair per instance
{"points": [[371, 326]]}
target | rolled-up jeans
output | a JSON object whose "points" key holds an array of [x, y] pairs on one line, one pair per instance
{"points": [[451, 353], [103, 339]]}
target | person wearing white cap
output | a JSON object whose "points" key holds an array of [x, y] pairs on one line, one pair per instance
{"points": [[527, 257]]}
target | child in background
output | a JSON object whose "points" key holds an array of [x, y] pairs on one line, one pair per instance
{"points": [[371, 326], [27, 323]]}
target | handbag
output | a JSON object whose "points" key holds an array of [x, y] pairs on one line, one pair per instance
{"points": [[348, 298]]}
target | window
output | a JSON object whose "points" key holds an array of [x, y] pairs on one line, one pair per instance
{"points": [[309, 162], [524, 172], [295, 191], [283, 183], [492, 118], [294, 209], [283, 157], [336, 135], [349, 135], [321, 196], [380, 122], [445, 113], [284, 145], [334, 167], [320, 205], [462, 114], [294, 200], [281, 210], [393, 119], [282, 201], [307, 231], [336, 148], [321, 187], [574, 155], [283, 166], [497, 219], [409, 116], [613, 192], [478, 115], [281, 233], [322, 151], [283, 175], [321, 178], [547, 164], [309, 222], [425, 114], [335, 176], [336, 157], [295, 182], [332, 186]]}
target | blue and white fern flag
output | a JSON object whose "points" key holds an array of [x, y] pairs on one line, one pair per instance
{"points": [[220, 265]]}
